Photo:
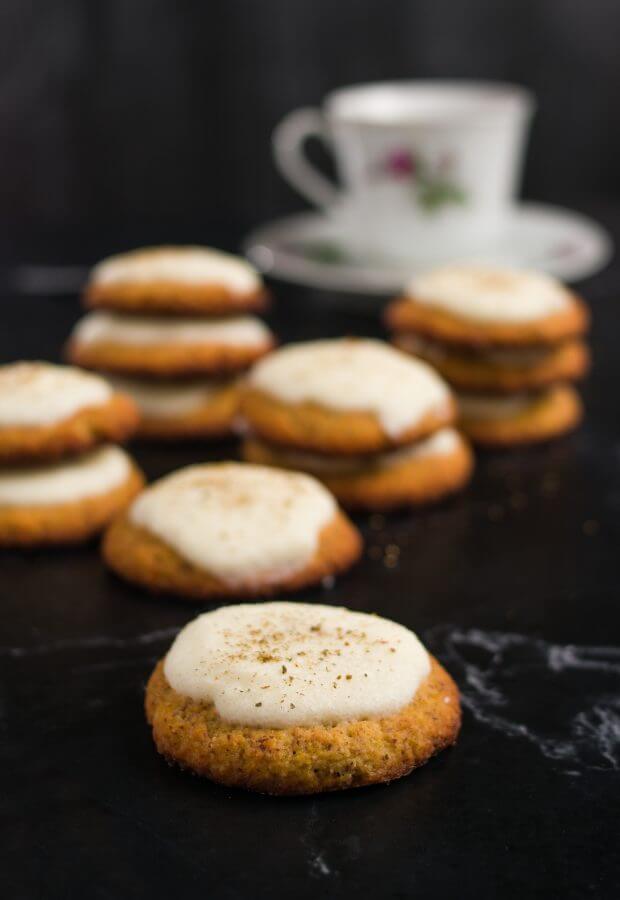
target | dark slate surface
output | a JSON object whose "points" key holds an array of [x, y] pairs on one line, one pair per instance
{"points": [[513, 585]]}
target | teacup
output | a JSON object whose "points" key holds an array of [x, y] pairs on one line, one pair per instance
{"points": [[421, 163]]}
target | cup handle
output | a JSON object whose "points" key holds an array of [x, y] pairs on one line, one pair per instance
{"points": [[288, 140]]}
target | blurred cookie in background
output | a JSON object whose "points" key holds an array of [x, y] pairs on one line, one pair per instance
{"points": [[231, 530], [370, 422], [175, 325], [176, 280], [510, 342]]}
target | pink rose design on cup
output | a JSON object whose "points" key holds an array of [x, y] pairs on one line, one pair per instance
{"points": [[400, 164], [433, 185]]}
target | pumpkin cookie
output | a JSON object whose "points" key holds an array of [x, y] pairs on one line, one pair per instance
{"points": [[481, 306], [65, 502], [182, 410], [494, 421], [299, 698], [193, 281], [346, 396], [501, 370], [156, 347], [421, 473], [231, 530], [48, 411]]}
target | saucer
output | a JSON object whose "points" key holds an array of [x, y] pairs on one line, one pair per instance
{"points": [[312, 249]]}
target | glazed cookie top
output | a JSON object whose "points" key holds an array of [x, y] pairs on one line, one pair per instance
{"points": [[168, 399], [88, 475], [486, 294], [354, 374], [146, 331], [279, 665], [39, 393], [241, 523], [187, 265]]}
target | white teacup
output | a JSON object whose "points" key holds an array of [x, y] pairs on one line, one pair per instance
{"points": [[420, 162]]}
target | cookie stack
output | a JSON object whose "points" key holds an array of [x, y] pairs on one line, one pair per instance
{"points": [[60, 479], [371, 423], [172, 327], [511, 343]]}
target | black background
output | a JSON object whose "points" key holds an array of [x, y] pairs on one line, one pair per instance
{"points": [[136, 110]]}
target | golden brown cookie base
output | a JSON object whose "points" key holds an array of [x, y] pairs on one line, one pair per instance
{"points": [[304, 760], [166, 360], [215, 418], [558, 411], [412, 482], [568, 361], [137, 555], [405, 315], [307, 426], [66, 523], [168, 298], [114, 421]]}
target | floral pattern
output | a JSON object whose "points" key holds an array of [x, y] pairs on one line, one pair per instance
{"points": [[433, 185]]}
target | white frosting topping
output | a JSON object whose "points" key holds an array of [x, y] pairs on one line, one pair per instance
{"points": [[145, 331], [278, 665], [487, 294], [244, 524], [39, 393], [354, 374], [441, 443], [481, 407], [88, 475], [168, 399], [189, 265]]}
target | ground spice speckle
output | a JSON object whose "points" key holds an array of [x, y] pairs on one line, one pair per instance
{"points": [[590, 527], [495, 512], [550, 485], [518, 500]]}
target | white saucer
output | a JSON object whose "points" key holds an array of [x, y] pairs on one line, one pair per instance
{"points": [[311, 249]]}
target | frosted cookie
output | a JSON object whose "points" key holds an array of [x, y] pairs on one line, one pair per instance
{"points": [[480, 305], [182, 409], [298, 698], [158, 347], [231, 530], [345, 396], [48, 411], [501, 369], [176, 281], [65, 502], [421, 473], [521, 418]]}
